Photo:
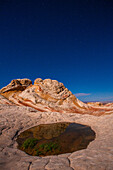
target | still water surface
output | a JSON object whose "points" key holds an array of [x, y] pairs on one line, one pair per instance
{"points": [[55, 138]]}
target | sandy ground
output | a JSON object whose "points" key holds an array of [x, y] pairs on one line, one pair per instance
{"points": [[15, 119]]}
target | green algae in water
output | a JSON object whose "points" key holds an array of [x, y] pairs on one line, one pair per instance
{"points": [[29, 143], [45, 148], [54, 139]]}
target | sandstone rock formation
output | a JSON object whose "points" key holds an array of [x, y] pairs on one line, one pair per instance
{"points": [[15, 119], [3, 100], [49, 95], [51, 102], [15, 86]]}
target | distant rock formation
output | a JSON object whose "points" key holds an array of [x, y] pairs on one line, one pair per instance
{"points": [[47, 95]]}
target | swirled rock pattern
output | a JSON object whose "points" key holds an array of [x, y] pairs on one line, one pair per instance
{"points": [[24, 105], [50, 95]]}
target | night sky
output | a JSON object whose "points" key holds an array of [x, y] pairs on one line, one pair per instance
{"points": [[67, 40]]}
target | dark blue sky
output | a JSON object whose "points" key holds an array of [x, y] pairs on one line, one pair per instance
{"points": [[67, 40]]}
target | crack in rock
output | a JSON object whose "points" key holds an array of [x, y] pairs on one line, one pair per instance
{"points": [[16, 133], [69, 163], [29, 165]]}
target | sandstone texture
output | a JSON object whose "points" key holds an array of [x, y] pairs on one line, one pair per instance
{"points": [[50, 95], [15, 119], [16, 85], [23, 105], [3, 100]]}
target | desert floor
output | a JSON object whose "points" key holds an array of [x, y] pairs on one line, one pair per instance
{"points": [[15, 119]]}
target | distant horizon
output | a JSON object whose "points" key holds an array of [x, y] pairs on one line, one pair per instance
{"points": [[102, 101], [69, 41]]}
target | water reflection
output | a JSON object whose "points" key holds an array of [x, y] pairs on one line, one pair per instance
{"points": [[56, 138]]}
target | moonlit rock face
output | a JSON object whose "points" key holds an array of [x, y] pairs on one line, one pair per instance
{"points": [[49, 95]]}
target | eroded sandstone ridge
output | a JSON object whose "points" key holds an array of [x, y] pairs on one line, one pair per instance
{"points": [[49, 95], [51, 102]]}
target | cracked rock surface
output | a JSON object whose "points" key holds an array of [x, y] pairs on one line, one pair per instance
{"points": [[15, 119]]}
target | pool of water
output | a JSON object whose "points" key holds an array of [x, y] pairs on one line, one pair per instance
{"points": [[55, 138]]}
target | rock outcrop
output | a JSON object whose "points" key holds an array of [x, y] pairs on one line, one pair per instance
{"points": [[16, 119], [47, 99], [4, 101], [48, 95], [15, 86]]}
